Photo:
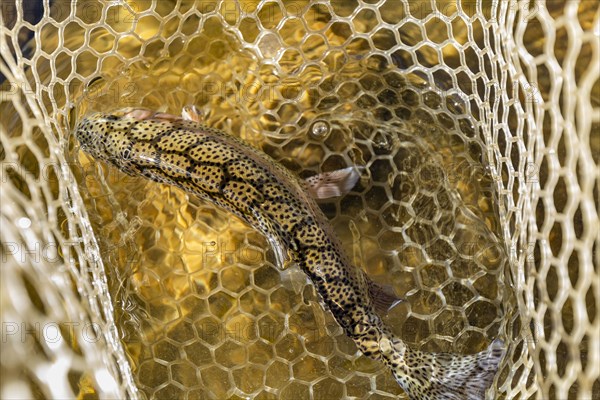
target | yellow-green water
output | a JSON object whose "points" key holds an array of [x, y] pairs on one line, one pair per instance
{"points": [[202, 308]]}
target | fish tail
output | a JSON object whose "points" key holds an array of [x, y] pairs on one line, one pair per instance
{"points": [[446, 376]]}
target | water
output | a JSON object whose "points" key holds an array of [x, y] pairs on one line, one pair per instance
{"points": [[206, 311]]}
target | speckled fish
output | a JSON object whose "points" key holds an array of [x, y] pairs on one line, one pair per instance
{"points": [[220, 168]]}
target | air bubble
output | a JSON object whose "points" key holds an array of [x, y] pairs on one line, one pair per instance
{"points": [[269, 45], [320, 130]]}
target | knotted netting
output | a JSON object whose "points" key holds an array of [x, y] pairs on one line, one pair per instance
{"points": [[477, 123]]}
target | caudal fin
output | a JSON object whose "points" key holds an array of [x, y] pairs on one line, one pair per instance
{"points": [[447, 376]]}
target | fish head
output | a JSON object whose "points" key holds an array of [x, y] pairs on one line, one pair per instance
{"points": [[106, 136], [111, 136]]}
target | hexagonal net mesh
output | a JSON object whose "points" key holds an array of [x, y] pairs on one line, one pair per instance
{"points": [[477, 124]]}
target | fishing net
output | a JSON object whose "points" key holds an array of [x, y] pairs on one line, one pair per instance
{"points": [[476, 121]]}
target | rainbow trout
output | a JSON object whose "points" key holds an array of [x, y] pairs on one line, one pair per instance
{"points": [[222, 169]]}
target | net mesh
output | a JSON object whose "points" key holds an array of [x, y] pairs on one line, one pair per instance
{"points": [[477, 124]]}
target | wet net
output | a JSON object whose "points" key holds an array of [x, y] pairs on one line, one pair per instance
{"points": [[478, 126]]}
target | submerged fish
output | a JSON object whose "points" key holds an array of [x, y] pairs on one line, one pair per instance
{"points": [[220, 168]]}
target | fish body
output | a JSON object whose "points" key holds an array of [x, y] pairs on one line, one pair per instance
{"points": [[226, 171]]}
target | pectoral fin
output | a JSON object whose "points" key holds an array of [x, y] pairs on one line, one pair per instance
{"points": [[192, 113], [383, 296], [334, 183], [279, 251]]}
